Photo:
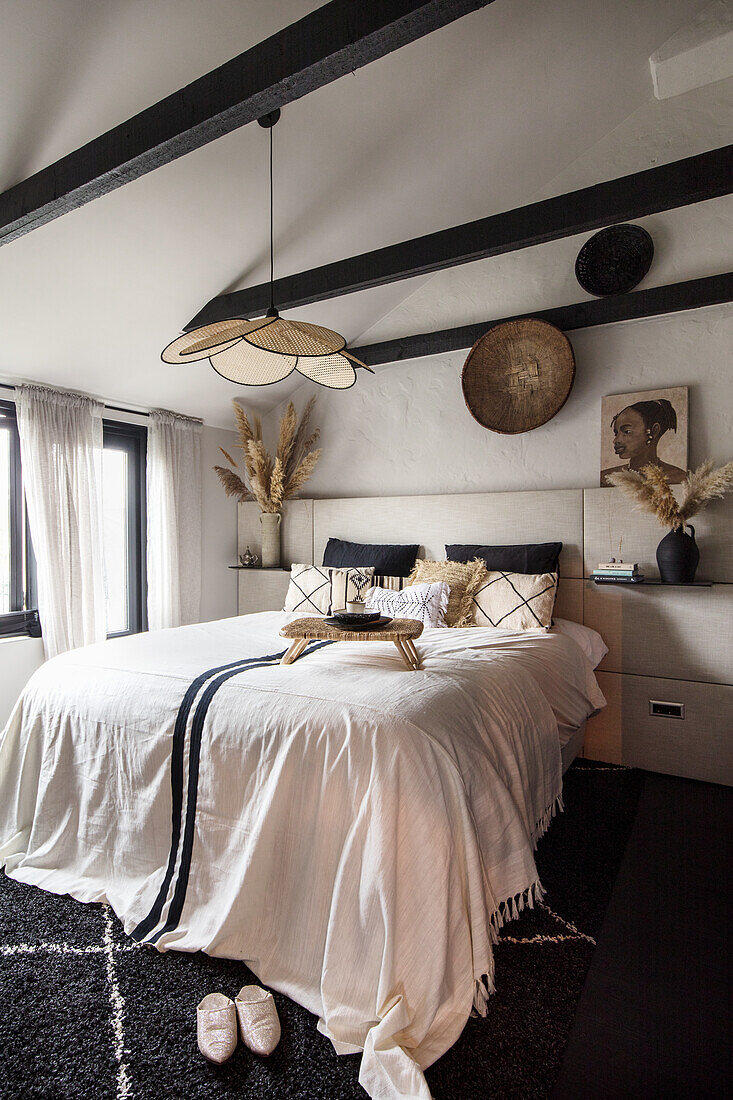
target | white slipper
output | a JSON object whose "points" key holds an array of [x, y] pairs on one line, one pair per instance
{"points": [[216, 1027], [258, 1019]]}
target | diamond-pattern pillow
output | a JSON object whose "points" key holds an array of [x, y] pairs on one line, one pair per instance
{"points": [[515, 601], [426, 602], [320, 590]]}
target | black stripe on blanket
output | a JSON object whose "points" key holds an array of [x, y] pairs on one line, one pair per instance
{"points": [[222, 673]]}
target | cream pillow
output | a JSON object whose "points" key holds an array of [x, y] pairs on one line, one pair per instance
{"points": [[321, 590], [515, 601], [463, 581]]}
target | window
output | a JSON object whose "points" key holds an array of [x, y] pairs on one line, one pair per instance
{"points": [[17, 567], [123, 493], [6, 526]]}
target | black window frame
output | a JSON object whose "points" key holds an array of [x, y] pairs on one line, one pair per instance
{"points": [[133, 440], [23, 618]]}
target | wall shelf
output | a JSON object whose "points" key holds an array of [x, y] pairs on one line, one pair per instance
{"points": [[601, 581], [262, 568]]}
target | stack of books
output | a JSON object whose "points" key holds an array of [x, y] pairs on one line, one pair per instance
{"points": [[617, 572]]}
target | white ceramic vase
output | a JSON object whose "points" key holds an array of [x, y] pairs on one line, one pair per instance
{"points": [[270, 522]]}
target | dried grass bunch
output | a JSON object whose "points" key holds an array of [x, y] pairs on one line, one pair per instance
{"points": [[650, 490], [271, 482]]}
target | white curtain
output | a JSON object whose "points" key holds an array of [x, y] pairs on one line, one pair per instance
{"points": [[174, 520], [61, 457]]}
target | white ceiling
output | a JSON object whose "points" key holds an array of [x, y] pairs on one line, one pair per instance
{"points": [[479, 117]]}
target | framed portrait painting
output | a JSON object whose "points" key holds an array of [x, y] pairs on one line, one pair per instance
{"points": [[640, 429]]}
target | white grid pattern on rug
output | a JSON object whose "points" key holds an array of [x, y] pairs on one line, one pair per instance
{"points": [[571, 931], [574, 933], [110, 949]]}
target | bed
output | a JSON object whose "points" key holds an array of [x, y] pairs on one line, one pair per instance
{"points": [[356, 832]]}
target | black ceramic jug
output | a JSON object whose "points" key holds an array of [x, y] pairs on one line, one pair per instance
{"points": [[678, 556]]}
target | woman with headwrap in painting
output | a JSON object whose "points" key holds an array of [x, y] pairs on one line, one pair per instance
{"points": [[637, 430]]}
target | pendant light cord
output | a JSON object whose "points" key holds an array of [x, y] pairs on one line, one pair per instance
{"points": [[272, 233]]}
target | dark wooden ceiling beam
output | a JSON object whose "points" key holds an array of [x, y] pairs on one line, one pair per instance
{"points": [[336, 39], [680, 183], [654, 302]]}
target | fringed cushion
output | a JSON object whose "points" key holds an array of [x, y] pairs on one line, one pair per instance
{"points": [[426, 602], [316, 589], [515, 601], [463, 580]]}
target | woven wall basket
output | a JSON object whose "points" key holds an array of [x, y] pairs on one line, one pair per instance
{"points": [[615, 260], [518, 375]]}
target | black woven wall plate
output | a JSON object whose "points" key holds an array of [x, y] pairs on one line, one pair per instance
{"points": [[615, 260]]}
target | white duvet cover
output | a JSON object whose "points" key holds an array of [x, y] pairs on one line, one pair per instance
{"points": [[354, 831]]}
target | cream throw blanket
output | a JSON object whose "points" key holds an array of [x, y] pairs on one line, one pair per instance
{"points": [[360, 831]]}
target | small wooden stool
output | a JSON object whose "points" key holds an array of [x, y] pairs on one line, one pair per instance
{"points": [[400, 631]]}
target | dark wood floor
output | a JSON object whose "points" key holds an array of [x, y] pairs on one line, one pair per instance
{"points": [[654, 1019]]}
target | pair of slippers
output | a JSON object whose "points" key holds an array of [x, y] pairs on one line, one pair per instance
{"points": [[216, 1023]]}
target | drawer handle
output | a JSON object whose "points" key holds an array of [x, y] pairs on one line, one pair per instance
{"points": [[660, 709]]}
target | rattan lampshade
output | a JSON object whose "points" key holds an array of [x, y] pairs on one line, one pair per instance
{"points": [[268, 349], [262, 352]]}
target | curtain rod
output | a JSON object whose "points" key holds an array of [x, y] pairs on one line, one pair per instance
{"points": [[112, 408]]}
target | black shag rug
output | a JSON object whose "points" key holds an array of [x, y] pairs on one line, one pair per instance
{"points": [[84, 1013]]}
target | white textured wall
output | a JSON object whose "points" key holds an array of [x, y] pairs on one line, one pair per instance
{"points": [[218, 583], [407, 429], [19, 659]]}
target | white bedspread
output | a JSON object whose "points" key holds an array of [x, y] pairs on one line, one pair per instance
{"points": [[359, 829]]}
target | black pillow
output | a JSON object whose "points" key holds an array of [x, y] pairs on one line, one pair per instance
{"points": [[392, 561], [530, 557]]}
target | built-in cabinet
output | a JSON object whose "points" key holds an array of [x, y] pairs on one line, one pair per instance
{"points": [[666, 644], [699, 746], [262, 590]]}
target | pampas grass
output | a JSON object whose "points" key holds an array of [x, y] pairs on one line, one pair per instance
{"points": [[233, 484], [271, 481], [650, 491], [303, 442], [704, 484]]}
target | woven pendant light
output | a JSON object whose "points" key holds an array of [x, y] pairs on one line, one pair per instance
{"points": [[268, 349]]}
